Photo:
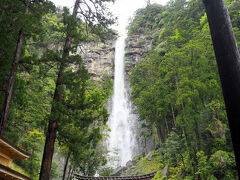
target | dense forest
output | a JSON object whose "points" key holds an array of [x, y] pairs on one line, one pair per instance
{"points": [[52, 108], [52, 85], [177, 90]]}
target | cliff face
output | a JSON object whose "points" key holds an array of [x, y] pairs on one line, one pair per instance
{"points": [[137, 47], [99, 58]]}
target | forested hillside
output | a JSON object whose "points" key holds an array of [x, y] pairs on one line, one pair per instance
{"points": [[52, 85], [177, 91]]}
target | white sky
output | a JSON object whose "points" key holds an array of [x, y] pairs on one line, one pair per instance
{"points": [[124, 3], [123, 9]]}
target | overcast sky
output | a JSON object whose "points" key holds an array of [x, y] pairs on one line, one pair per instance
{"points": [[132, 3], [123, 9]]}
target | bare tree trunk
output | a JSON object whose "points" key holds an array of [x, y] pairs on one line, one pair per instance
{"points": [[228, 60], [12, 78], [160, 135], [199, 143], [165, 119], [69, 173], [66, 164], [52, 126], [173, 115]]}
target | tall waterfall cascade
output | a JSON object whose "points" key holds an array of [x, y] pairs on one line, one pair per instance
{"points": [[122, 142], [120, 139]]}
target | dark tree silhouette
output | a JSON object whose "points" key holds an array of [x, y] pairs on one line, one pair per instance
{"points": [[12, 78], [228, 60]]}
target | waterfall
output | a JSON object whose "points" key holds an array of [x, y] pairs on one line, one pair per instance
{"points": [[120, 135], [122, 142]]}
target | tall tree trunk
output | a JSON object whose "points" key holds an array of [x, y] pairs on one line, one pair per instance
{"points": [[199, 143], [228, 60], [69, 173], [66, 164], [160, 134], [191, 150], [48, 151], [51, 135], [166, 124], [12, 78], [52, 126], [174, 118]]}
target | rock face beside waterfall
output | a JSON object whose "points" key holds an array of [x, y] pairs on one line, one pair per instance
{"points": [[99, 58], [137, 47]]}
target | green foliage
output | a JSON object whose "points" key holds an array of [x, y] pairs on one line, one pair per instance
{"points": [[158, 176], [173, 149], [203, 166], [54, 173], [106, 172], [81, 113], [222, 163], [107, 85], [144, 165], [177, 89], [146, 19]]}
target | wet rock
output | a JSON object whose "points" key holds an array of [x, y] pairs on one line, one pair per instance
{"points": [[181, 174], [165, 170], [131, 53], [149, 156], [119, 171], [129, 163]]}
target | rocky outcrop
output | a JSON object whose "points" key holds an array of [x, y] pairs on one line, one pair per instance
{"points": [[137, 46], [165, 170], [118, 171], [98, 58]]}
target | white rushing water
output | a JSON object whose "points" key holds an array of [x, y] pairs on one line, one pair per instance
{"points": [[120, 136], [121, 141]]}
